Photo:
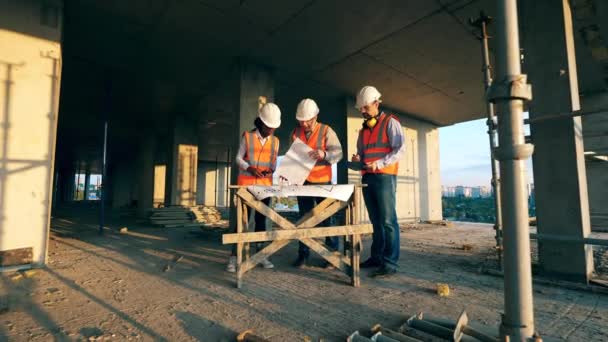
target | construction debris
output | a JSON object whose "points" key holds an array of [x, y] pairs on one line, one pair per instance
{"points": [[379, 330], [439, 223], [16, 277], [249, 336], [443, 290], [179, 216], [28, 273]]}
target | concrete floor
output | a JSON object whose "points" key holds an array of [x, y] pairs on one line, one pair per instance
{"points": [[115, 287]]}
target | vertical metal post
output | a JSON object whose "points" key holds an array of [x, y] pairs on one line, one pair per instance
{"points": [[509, 92], [217, 177], [102, 192], [482, 23]]}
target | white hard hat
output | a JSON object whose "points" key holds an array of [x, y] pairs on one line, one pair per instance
{"points": [[367, 95], [307, 109], [270, 114]]}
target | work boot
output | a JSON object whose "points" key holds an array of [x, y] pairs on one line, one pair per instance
{"points": [[231, 266], [369, 263], [383, 272], [301, 261], [266, 263], [327, 265]]}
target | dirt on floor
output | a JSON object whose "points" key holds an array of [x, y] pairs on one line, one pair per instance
{"points": [[153, 284]]}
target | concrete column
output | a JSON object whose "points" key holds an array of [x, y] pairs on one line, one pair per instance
{"points": [[30, 70], [250, 82], [183, 163], [595, 132], [560, 180], [430, 180], [145, 177], [87, 181]]}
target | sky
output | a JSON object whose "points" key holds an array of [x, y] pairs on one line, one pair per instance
{"points": [[465, 154]]}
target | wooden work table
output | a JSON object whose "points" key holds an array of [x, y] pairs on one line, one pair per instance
{"points": [[303, 230]]}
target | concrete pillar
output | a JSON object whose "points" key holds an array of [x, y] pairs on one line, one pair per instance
{"points": [[183, 163], [430, 180], [595, 132], [30, 70], [250, 83], [145, 177], [121, 179], [87, 181], [560, 180]]}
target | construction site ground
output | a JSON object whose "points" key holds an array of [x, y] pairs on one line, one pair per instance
{"points": [[135, 286]]}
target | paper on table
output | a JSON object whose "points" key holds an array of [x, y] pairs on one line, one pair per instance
{"points": [[340, 192], [295, 166]]}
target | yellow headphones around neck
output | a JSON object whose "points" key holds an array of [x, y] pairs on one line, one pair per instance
{"points": [[371, 122]]}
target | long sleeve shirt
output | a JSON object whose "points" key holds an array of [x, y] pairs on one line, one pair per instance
{"points": [[333, 152], [396, 139], [242, 163]]}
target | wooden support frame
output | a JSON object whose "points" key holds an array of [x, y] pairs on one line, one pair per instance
{"points": [[303, 230]]}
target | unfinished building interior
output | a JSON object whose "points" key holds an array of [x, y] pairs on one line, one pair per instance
{"points": [[144, 102]]}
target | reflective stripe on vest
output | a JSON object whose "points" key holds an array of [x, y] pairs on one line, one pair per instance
{"points": [[321, 172], [376, 145], [259, 157]]}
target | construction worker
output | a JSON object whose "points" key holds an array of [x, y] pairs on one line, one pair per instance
{"points": [[380, 144], [257, 160], [326, 150]]}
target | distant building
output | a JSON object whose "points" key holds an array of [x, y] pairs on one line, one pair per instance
{"points": [[462, 191], [448, 191]]}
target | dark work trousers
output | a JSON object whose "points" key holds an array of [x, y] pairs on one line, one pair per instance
{"points": [[379, 196], [305, 204], [260, 224]]}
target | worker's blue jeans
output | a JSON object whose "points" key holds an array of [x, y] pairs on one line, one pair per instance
{"points": [[305, 204], [379, 196]]}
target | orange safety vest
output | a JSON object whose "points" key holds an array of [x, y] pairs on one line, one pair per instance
{"points": [[321, 172], [259, 156], [376, 144]]}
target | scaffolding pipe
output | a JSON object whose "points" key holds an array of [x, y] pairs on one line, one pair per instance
{"points": [[565, 115], [482, 23], [509, 91], [102, 192], [586, 241]]}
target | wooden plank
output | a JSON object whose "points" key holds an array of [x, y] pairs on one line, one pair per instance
{"points": [[293, 234], [355, 260], [239, 246], [316, 210], [329, 211], [14, 257], [261, 255], [262, 208], [246, 228]]}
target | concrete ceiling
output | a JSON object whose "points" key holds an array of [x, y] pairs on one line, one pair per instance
{"points": [[421, 54]]}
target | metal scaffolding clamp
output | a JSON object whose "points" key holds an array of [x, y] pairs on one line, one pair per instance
{"points": [[511, 87], [514, 152]]}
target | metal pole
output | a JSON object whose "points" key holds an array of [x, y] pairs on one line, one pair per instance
{"points": [[509, 92], [217, 177], [102, 192], [482, 23]]}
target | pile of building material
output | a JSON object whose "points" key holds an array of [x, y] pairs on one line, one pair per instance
{"points": [[174, 216], [207, 215], [179, 216], [426, 328]]}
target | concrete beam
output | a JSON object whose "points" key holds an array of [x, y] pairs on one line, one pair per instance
{"points": [[559, 165]]}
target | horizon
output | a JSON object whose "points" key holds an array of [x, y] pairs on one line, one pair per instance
{"points": [[464, 152]]}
